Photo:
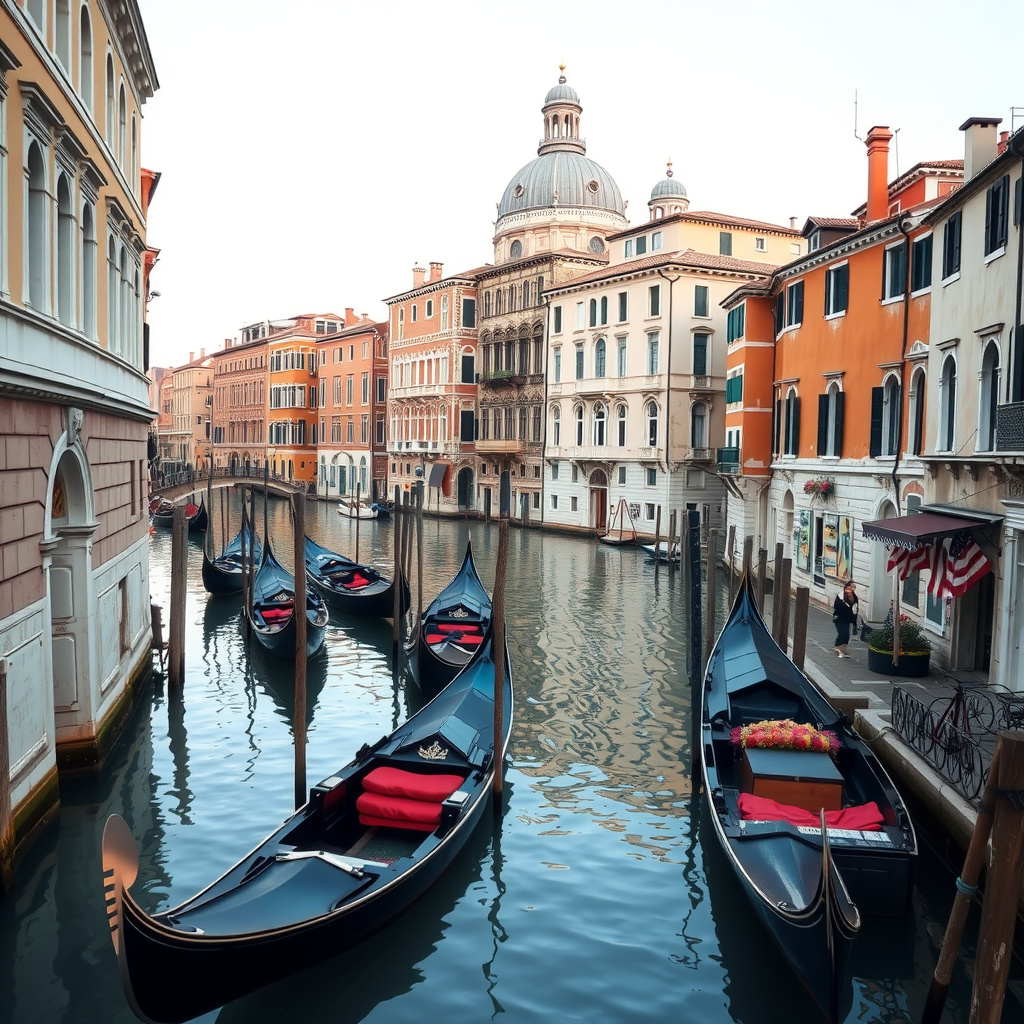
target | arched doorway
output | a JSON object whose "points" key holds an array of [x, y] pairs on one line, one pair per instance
{"points": [[880, 587], [465, 489], [599, 500]]}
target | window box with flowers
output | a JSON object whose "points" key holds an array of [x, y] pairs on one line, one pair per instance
{"points": [[915, 648], [823, 487]]}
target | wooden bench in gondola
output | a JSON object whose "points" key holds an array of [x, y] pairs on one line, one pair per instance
{"points": [[796, 777]]}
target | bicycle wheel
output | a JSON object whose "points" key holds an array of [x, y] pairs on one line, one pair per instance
{"points": [[979, 711]]}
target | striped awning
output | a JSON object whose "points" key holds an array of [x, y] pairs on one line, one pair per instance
{"points": [[918, 528]]}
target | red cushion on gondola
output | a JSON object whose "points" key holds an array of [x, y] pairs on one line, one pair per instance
{"points": [[412, 785], [436, 638], [356, 582], [370, 821], [862, 818], [191, 509], [274, 615], [467, 641], [399, 808], [458, 627]]}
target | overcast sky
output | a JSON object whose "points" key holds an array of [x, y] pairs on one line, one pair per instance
{"points": [[312, 153]]}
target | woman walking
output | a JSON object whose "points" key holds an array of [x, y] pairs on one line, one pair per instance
{"points": [[844, 615]]}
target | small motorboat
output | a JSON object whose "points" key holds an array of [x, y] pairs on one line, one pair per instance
{"points": [[621, 531], [350, 586], [661, 554], [372, 838], [356, 509]]}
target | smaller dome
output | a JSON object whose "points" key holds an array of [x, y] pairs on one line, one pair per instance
{"points": [[562, 93], [668, 186]]}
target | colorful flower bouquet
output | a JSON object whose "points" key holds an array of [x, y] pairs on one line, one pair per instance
{"points": [[785, 734], [820, 487]]}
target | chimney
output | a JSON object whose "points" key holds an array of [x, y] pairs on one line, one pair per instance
{"points": [[435, 271], [202, 353], [1001, 148], [878, 173], [417, 276], [980, 143], [227, 343], [350, 316], [792, 223], [191, 357]]}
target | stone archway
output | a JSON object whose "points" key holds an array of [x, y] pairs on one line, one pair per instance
{"points": [[465, 488], [879, 587], [599, 500]]}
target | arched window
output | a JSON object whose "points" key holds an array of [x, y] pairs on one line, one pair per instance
{"points": [[600, 425], [622, 426], [62, 34], [65, 253], [791, 445], [652, 424], [917, 410], [133, 165], [108, 128], [122, 120], [89, 253], [38, 233], [947, 405], [112, 336], [578, 414], [891, 408], [593, 312], [599, 358], [834, 406], [699, 425], [85, 70], [124, 314], [989, 402], [556, 427]]}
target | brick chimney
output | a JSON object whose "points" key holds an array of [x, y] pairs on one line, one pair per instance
{"points": [[980, 143], [191, 357], [417, 276], [435, 271], [878, 173], [202, 353], [350, 316]]}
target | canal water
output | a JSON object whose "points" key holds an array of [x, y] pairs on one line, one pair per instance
{"points": [[598, 895]]}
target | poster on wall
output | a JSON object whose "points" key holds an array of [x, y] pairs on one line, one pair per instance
{"points": [[844, 553], [829, 543], [802, 541]]}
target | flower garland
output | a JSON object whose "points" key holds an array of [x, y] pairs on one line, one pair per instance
{"points": [[785, 734], [820, 487]]}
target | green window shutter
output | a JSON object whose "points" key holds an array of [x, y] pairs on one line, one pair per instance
{"points": [[842, 296], [822, 424], [877, 399], [700, 354], [837, 447]]}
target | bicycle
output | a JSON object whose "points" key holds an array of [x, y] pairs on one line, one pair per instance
{"points": [[956, 733]]}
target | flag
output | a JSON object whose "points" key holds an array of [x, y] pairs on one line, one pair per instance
{"points": [[938, 584], [897, 559], [906, 562], [965, 566]]}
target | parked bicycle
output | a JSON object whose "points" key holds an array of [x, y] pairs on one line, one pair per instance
{"points": [[957, 731]]}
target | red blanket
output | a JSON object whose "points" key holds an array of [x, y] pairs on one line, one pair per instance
{"points": [[863, 818]]}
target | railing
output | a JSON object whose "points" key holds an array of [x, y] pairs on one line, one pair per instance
{"points": [[1010, 427], [699, 454], [729, 461], [508, 446], [956, 755]]}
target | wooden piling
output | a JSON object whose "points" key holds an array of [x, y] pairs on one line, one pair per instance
{"points": [[776, 592], [357, 520], [787, 572], [657, 539], [762, 579], [179, 572], [711, 583], [249, 581], [803, 600], [301, 622], [156, 643], [419, 553], [733, 575], [397, 607], [1002, 886], [6, 817], [696, 579], [672, 522], [966, 889], [498, 605]]}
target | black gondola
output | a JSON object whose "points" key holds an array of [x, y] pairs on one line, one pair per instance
{"points": [[454, 628], [350, 586], [370, 840], [163, 514], [272, 614], [223, 574], [805, 813]]}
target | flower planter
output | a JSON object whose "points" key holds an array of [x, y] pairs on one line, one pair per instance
{"points": [[910, 664]]}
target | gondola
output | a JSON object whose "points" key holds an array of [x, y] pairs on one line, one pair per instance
{"points": [[350, 586], [371, 839], [223, 574], [661, 552], [621, 531], [195, 514], [809, 821], [356, 509], [272, 614], [454, 628]]}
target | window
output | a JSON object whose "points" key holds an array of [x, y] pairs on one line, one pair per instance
{"points": [[734, 388], [735, 325], [85, 71], [429, 311], [415, 313], [795, 304], [579, 362], [700, 300], [699, 425], [917, 411], [989, 398], [654, 300], [578, 417], [557, 328], [365, 394], [444, 312], [947, 405], [622, 356], [623, 307], [558, 366], [894, 272], [604, 309], [656, 241], [622, 476], [837, 289], [469, 312], [641, 245], [468, 368], [652, 424], [951, 245], [349, 388], [581, 316], [652, 352], [627, 249], [760, 244], [593, 312], [792, 424], [996, 208], [382, 389], [621, 416], [554, 470], [554, 501], [651, 477], [921, 264], [700, 354], [830, 421], [780, 312], [725, 243], [600, 425], [556, 431], [599, 358]]}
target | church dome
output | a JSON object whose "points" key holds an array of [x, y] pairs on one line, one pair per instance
{"points": [[562, 93], [668, 186], [561, 179]]}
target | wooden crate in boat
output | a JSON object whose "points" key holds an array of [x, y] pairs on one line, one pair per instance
{"points": [[795, 777]]}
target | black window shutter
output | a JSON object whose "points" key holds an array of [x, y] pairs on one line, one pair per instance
{"points": [[823, 425], [1018, 186], [842, 295], [837, 446], [776, 425], [796, 427], [798, 302], [988, 222], [780, 312], [877, 398]]}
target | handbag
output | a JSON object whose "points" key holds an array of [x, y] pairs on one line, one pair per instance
{"points": [[865, 631]]}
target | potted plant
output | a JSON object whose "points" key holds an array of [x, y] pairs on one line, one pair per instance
{"points": [[820, 487], [914, 648]]}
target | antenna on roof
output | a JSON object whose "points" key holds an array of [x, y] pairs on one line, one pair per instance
{"points": [[855, 135], [896, 150]]}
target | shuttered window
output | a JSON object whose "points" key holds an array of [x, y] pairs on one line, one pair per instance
{"points": [[951, 245], [837, 289]]}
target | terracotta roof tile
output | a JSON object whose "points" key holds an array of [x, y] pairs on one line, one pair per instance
{"points": [[680, 258]]}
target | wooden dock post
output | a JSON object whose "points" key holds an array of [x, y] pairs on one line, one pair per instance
{"points": [[803, 600], [1002, 886], [711, 585], [787, 571], [696, 579], [179, 572], [657, 537], [419, 553], [732, 563], [250, 577], [498, 604], [301, 622], [358, 488], [672, 535], [6, 818], [762, 579], [397, 607], [776, 592]]}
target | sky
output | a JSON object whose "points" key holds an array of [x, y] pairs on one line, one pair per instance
{"points": [[312, 153]]}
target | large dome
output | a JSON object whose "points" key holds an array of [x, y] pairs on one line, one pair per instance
{"points": [[558, 180]]}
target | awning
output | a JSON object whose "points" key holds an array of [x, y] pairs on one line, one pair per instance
{"points": [[919, 528], [437, 471]]}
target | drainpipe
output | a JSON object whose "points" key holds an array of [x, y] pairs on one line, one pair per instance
{"points": [[668, 383], [1015, 383], [904, 224]]}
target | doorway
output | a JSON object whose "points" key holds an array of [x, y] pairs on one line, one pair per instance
{"points": [[465, 489], [599, 500]]}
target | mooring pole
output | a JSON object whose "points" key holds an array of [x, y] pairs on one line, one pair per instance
{"points": [[657, 539], [419, 552], [709, 597], [6, 819], [787, 573], [777, 593], [762, 579], [301, 622], [803, 600], [396, 537], [358, 506], [696, 580], [252, 558], [498, 602], [733, 575], [179, 572]]}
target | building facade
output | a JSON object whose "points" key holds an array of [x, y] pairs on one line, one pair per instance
{"points": [[239, 427], [74, 408]]}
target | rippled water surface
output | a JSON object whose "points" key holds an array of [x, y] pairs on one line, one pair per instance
{"points": [[598, 896]]}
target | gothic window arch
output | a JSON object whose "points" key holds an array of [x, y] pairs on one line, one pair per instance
{"points": [[621, 425], [85, 68], [38, 252], [699, 425], [599, 357], [600, 425], [108, 127], [652, 423], [65, 253], [89, 264], [122, 120], [989, 398], [556, 427], [947, 405], [578, 420]]}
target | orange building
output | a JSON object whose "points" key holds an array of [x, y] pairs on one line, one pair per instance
{"points": [[240, 406], [818, 362]]}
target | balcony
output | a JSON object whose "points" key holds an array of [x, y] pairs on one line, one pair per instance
{"points": [[502, 378], [1010, 427], [700, 455], [700, 382], [729, 461], [401, 448], [507, 446], [648, 454]]}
